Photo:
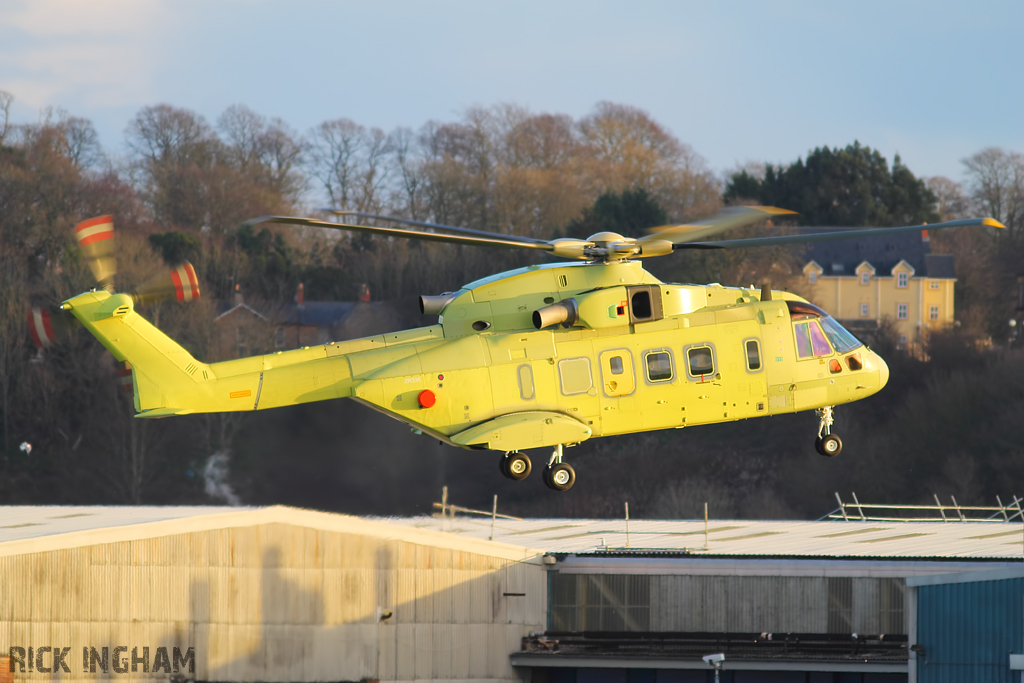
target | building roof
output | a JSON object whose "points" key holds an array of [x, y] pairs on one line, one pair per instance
{"points": [[748, 539], [39, 528], [43, 528], [841, 257]]}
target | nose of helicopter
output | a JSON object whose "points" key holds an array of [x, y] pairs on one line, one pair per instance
{"points": [[883, 371]]}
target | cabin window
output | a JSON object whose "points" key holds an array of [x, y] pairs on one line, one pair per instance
{"points": [[700, 361], [753, 349], [575, 375], [615, 365], [526, 382], [810, 340], [659, 366]]}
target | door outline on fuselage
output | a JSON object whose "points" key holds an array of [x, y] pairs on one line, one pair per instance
{"points": [[609, 376]]}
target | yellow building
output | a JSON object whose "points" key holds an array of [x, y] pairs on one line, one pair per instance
{"points": [[862, 281]]}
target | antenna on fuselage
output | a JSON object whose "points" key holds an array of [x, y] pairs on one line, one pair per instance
{"points": [[766, 291]]}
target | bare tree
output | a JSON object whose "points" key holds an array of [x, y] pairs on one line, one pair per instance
{"points": [[6, 100], [996, 182], [951, 202], [334, 158]]}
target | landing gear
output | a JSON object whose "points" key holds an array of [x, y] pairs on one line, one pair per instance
{"points": [[515, 465], [559, 475], [827, 443]]}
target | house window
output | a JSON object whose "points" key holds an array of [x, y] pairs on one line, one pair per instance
{"points": [[933, 313], [865, 310], [279, 338], [813, 277], [865, 278], [902, 311], [903, 341], [902, 279], [934, 284]]}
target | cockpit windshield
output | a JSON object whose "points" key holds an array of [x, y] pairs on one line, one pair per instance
{"points": [[812, 325]]}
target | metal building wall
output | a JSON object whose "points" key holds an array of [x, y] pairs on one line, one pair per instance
{"points": [[734, 604], [277, 602], [968, 631]]}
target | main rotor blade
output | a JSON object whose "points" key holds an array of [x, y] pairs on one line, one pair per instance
{"points": [[437, 226], [835, 235], [726, 219], [496, 241]]}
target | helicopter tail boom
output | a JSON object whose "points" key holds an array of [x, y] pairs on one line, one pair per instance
{"points": [[167, 380]]}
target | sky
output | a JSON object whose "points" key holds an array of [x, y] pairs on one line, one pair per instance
{"points": [[737, 81]]}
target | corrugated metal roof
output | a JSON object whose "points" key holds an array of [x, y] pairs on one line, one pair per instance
{"points": [[19, 522], [37, 526], [745, 538], [31, 529]]}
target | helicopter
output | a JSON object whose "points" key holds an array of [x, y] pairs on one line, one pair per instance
{"points": [[545, 356]]}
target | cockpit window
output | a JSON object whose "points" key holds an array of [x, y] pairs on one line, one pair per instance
{"points": [[840, 338], [811, 338]]}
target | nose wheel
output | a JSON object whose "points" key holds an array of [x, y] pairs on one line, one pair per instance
{"points": [[515, 465], [559, 475], [827, 443]]}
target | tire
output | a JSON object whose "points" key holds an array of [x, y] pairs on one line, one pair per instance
{"points": [[831, 446], [517, 466], [817, 447], [560, 477], [503, 466]]}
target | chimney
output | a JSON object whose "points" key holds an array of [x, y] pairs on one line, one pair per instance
{"points": [[300, 295], [364, 293], [238, 295]]}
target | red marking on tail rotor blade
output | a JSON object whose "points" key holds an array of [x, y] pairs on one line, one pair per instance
{"points": [[40, 327], [193, 281], [32, 313], [178, 290], [94, 230], [91, 222]]}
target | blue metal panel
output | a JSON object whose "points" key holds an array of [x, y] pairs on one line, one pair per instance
{"points": [[968, 631]]}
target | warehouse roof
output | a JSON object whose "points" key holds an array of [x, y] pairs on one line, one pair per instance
{"points": [[37, 528], [42, 528], [745, 538]]}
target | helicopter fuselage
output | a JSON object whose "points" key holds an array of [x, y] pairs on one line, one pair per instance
{"points": [[628, 353]]}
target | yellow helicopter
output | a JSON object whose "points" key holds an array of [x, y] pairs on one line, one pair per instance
{"points": [[545, 356]]}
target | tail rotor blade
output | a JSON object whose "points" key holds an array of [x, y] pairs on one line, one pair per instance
{"points": [[47, 325], [96, 240], [40, 326], [180, 283]]}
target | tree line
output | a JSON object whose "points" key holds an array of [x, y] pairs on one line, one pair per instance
{"points": [[185, 186]]}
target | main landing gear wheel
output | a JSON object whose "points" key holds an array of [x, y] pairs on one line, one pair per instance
{"points": [[516, 466], [559, 475], [827, 443]]}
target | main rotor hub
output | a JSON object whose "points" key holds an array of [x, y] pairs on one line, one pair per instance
{"points": [[611, 246]]}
